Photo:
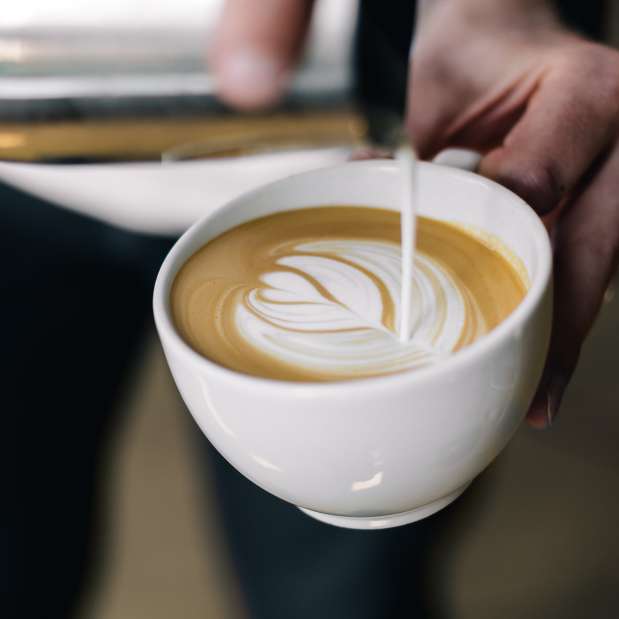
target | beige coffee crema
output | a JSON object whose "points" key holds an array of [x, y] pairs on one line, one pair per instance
{"points": [[313, 294]]}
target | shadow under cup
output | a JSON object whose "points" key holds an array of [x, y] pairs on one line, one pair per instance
{"points": [[388, 450]]}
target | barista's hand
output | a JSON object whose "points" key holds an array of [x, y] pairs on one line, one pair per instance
{"points": [[255, 49], [542, 105]]}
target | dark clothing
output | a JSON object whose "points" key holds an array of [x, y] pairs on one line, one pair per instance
{"points": [[76, 303]]}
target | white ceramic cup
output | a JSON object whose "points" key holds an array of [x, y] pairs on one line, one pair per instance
{"points": [[382, 451]]}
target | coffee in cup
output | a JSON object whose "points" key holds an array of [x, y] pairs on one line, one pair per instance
{"points": [[385, 450], [313, 294]]}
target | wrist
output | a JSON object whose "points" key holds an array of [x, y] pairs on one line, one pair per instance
{"points": [[496, 10]]}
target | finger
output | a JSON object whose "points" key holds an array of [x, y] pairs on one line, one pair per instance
{"points": [[255, 47], [452, 104], [564, 128], [435, 98], [586, 257], [442, 112]]}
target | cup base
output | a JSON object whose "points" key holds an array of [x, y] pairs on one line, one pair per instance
{"points": [[386, 522]]}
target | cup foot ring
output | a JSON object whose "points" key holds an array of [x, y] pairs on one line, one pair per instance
{"points": [[369, 523]]}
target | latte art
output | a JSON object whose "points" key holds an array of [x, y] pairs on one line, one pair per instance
{"points": [[315, 294], [336, 309]]}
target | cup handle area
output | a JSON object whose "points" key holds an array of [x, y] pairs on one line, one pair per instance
{"points": [[459, 158]]}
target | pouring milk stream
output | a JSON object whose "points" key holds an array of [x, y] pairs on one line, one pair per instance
{"points": [[408, 218]]}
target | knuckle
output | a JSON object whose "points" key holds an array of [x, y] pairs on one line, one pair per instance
{"points": [[594, 69], [539, 184]]}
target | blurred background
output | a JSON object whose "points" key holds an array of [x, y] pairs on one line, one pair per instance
{"points": [[536, 534]]}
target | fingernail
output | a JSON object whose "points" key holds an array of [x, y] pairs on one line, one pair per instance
{"points": [[250, 76], [554, 395]]}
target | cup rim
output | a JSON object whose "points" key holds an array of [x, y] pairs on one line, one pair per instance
{"points": [[167, 330]]}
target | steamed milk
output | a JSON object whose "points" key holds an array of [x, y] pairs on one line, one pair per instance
{"points": [[314, 294]]}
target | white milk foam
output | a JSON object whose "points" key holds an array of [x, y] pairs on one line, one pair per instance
{"points": [[324, 312]]}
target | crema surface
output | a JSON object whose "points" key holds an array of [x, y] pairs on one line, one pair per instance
{"points": [[313, 294]]}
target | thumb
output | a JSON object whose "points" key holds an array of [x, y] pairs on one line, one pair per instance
{"points": [[255, 48]]}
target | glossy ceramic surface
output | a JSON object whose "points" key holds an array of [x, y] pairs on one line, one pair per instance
{"points": [[382, 451]]}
